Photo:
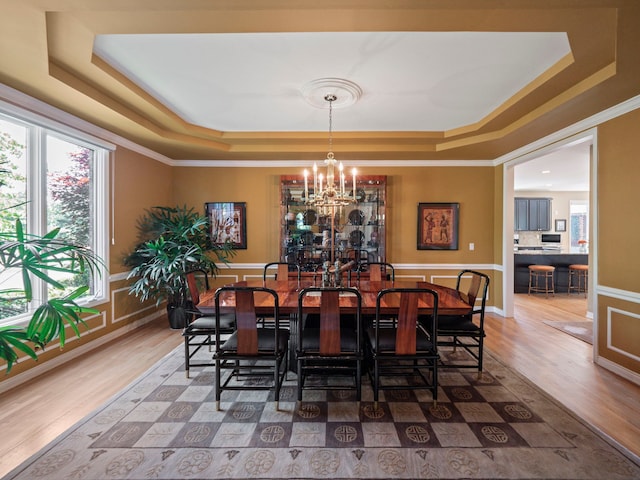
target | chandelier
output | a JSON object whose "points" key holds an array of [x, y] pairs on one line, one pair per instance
{"points": [[329, 192]]}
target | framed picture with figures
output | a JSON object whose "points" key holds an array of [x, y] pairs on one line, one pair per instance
{"points": [[228, 223], [438, 226]]}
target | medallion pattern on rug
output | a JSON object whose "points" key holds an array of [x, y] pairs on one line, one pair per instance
{"points": [[494, 425]]}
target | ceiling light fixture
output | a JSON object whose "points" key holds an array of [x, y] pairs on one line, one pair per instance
{"points": [[329, 194], [326, 193]]}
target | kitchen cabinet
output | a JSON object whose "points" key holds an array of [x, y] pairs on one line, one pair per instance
{"points": [[521, 221], [359, 228], [532, 214]]}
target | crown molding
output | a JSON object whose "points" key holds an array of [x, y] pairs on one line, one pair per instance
{"points": [[572, 130], [44, 112], [352, 163]]}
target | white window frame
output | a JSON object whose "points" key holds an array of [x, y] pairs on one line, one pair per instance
{"points": [[573, 206], [38, 129]]}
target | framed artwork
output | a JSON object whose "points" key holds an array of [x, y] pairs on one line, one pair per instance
{"points": [[438, 226], [228, 221], [561, 225]]}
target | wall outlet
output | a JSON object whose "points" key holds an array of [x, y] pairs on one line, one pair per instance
{"points": [[472, 246]]}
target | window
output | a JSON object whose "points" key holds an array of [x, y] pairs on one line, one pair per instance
{"points": [[578, 223], [50, 177]]}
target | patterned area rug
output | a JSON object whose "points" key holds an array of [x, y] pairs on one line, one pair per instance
{"points": [[581, 330], [165, 426]]}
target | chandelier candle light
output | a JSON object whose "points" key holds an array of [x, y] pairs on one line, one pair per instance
{"points": [[327, 197]]}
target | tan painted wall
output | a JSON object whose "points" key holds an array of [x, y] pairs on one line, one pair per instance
{"points": [[472, 187], [140, 183], [619, 201], [618, 233]]}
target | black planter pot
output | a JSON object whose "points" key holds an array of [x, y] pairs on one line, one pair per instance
{"points": [[179, 316]]}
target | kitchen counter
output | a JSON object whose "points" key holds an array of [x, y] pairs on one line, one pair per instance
{"points": [[545, 250], [524, 258], [548, 252]]}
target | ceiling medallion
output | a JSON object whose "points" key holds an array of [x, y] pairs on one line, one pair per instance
{"points": [[346, 92]]}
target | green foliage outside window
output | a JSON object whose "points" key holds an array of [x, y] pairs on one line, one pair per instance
{"points": [[62, 258]]}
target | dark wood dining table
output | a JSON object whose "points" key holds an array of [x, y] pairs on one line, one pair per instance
{"points": [[450, 302]]}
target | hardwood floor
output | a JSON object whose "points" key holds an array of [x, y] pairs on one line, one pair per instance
{"points": [[34, 414], [563, 366]]}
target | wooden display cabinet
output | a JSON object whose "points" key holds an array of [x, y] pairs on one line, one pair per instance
{"points": [[359, 228]]}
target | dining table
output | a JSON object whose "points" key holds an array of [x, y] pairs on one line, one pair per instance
{"points": [[450, 300]]}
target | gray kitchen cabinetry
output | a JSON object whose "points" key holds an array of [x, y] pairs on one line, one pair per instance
{"points": [[532, 214]]}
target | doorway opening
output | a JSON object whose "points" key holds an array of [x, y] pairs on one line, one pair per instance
{"points": [[561, 172]]}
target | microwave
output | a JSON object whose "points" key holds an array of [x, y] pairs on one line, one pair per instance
{"points": [[550, 238]]}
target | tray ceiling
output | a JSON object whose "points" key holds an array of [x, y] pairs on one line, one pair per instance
{"points": [[415, 81], [223, 80]]}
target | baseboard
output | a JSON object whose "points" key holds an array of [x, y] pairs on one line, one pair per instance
{"points": [[618, 370], [41, 368]]}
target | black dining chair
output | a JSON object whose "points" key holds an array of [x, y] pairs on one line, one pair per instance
{"points": [[281, 271], [331, 348], [250, 353], [404, 349], [465, 332], [200, 330], [377, 271]]}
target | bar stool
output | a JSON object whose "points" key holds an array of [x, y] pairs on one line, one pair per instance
{"points": [[578, 278], [541, 279]]}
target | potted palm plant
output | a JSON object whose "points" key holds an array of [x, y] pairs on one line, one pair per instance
{"points": [[173, 241], [49, 258]]}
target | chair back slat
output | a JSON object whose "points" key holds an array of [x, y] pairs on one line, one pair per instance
{"points": [[246, 323], [330, 323], [375, 273], [193, 288], [474, 288], [406, 331], [283, 272]]}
